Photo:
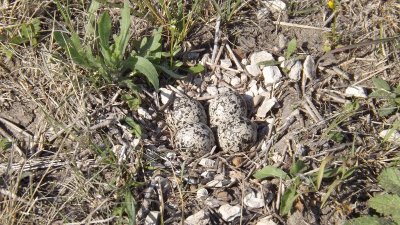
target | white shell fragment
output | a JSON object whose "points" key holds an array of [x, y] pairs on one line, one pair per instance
{"points": [[276, 5], [208, 163], [309, 68], [202, 194], [261, 56], [295, 71], [226, 107], [266, 106], [254, 201], [195, 138], [237, 135], [355, 91], [235, 82], [144, 114], [391, 135], [226, 63], [152, 218], [228, 212], [199, 218], [253, 70], [266, 221], [165, 95], [272, 75], [186, 111]]}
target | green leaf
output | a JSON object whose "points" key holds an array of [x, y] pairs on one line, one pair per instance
{"points": [[104, 36], [170, 72], [133, 102], [4, 144], [388, 205], [151, 44], [270, 171], [136, 129], [381, 84], [198, 68], [336, 136], [387, 110], [121, 41], [322, 170], [90, 26], [287, 200], [298, 167], [389, 179], [381, 94], [145, 67], [292, 45], [369, 220], [130, 207]]}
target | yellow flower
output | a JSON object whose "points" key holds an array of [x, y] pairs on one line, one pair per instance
{"points": [[331, 4]]}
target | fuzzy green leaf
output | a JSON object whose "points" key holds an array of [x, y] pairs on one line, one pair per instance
{"points": [[130, 207], [388, 205], [121, 41], [104, 36], [381, 94], [270, 171], [292, 45], [170, 72], [298, 167], [198, 68], [389, 179], [381, 84], [369, 220], [4, 144], [287, 200], [136, 129], [387, 110], [145, 67]]}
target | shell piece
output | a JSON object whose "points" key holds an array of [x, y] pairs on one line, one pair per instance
{"points": [[226, 107], [238, 135], [186, 111], [195, 138]]}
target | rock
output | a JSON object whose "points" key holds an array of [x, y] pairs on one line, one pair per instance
{"points": [[153, 218], [254, 89], [209, 163], [391, 135], [243, 78], [248, 96], [261, 56], [253, 200], [253, 70], [355, 91], [165, 95], [282, 41], [202, 194], [229, 213], [265, 107], [227, 63], [287, 64], [309, 68], [235, 82], [272, 75], [199, 218], [144, 114], [266, 221], [295, 71], [276, 5], [212, 90]]}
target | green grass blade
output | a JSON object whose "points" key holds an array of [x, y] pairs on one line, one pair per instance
{"points": [[322, 170], [287, 200], [270, 171], [90, 26], [104, 36], [130, 207], [121, 41]]}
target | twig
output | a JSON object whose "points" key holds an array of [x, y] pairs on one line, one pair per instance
{"points": [[216, 38], [235, 60], [373, 74], [300, 26], [222, 67]]}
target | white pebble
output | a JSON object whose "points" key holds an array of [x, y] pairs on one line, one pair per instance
{"points": [[356, 91], [265, 107], [152, 218], [390, 135], [235, 82], [295, 72], [261, 56], [227, 63], [229, 213], [266, 221], [209, 163], [272, 75], [199, 218], [276, 5], [253, 70], [165, 95], [202, 194], [143, 113], [212, 90], [254, 201], [309, 69]]}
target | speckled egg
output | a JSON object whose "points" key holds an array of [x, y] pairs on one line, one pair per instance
{"points": [[226, 107], [238, 135], [194, 138], [185, 111]]}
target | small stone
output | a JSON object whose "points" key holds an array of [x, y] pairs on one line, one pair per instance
{"points": [[248, 96], [208, 163], [202, 194], [153, 218], [257, 100], [212, 90], [235, 82], [287, 64], [165, 95], [276, 5], [295, 72], [272, 75], [144, 114], [265, 107], [245, 61], [281, 59], [253, 70], [254, 89], [229, 213], [266, 221], [390, 135], [227, 63], [355, 91], [254, 201], [261, 56], [199, 218], [243, 78], [309, 68], [282, 41]]}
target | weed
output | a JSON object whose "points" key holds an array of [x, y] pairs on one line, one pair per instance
{"points": [[387, 205], [4, 144], [389, 95]]}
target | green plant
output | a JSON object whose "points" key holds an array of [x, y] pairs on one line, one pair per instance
{"points": [[389, 95], [4, 144], [387, 204]]}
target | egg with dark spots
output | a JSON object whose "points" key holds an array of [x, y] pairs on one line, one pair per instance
{"points": [[186, 111], [238, 135], [226, 107], [194, 138]]}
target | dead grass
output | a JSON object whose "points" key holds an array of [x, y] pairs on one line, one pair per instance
{"points": [[69, 173]]}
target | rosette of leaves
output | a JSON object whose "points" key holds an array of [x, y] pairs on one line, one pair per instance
{"points": [[388, 95]]}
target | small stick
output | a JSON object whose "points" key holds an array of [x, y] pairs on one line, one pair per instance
{"points": [[222, 67], [313, 108], [235, 60], [373, 74], [216, 38], [300, 26]]}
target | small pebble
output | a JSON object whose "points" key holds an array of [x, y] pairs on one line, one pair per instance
{"points": [[276, 5], [229, 213], [143, 113], [295, 71], [253, 70], [309, 68], [265, 107], [227, 63], [152, 218], [253, 200], [390, 135], [202, 194], [355, 91], [261, 56], [165, 95], [212, 90], [208, 163], [199, 218], [266, 221], [235, 82], [272, 75]]}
